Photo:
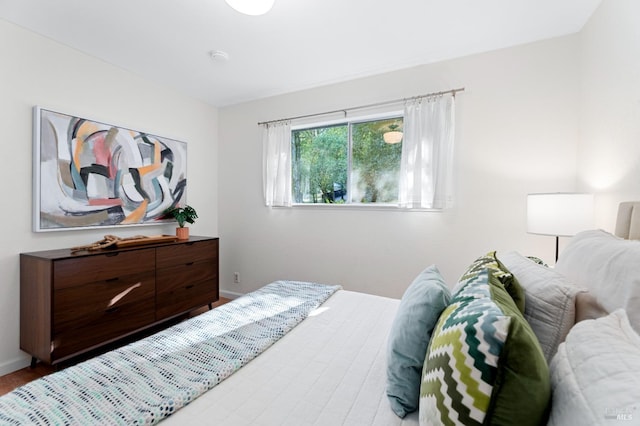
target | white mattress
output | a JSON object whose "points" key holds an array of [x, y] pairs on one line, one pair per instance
{"points": [[329, 370]]}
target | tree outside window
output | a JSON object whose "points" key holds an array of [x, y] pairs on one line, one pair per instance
{"points": [[348, 163]]}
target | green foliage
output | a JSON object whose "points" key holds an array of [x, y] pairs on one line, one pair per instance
{"points": [[186, 214], [320, 158], [320, 162], [375, 164]]}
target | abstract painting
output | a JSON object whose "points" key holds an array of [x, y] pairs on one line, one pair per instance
{"points": [[89, 174]]}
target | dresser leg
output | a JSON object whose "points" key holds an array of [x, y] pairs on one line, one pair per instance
{"points": [[210, 306], [34, 361]]}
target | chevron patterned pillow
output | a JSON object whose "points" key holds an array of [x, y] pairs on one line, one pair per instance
{"points": [[497, 269], [484, 365]]}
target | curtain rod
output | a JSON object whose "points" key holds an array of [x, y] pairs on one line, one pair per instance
{"points": [[344, 110]]}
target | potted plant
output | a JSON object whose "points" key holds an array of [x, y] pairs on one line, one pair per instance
{"points": [[183, 215]]}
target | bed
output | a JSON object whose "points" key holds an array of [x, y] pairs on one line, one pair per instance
{"points": [[329, 370], [323, 370], [324, 357]]}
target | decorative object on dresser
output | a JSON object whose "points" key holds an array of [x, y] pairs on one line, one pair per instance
{"points": [[72, 303], [186, 214], [115, 241]]}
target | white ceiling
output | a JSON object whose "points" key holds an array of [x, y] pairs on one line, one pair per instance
{"points": [[297, 45]]}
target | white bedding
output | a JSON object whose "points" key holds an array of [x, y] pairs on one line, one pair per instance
{"points": [[595, 375], [329, 370]]}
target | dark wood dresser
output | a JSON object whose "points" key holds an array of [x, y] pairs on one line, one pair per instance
{"points": [[72, 303]]}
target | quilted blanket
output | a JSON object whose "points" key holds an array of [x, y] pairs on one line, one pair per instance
{"points": [[148, 380]]}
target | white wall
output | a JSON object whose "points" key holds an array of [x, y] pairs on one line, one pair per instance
{"points": [[609, 156], [37, 71], [517, 133]]}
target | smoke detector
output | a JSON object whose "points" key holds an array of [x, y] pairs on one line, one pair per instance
{"points": [[219, 56]]}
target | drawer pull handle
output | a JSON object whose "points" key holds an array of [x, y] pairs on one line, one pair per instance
{"points": [[188, 263], [112, 254], [112, 309], [190, 286], [120, 296], [110, 280]]}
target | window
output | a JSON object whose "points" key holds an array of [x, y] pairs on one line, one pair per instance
{"points": [[350, 162], [346, 163]]}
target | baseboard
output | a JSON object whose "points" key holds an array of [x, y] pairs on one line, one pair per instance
{"points": [[230, 294], [14, 365]]}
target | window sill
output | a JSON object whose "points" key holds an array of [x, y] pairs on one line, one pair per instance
{"points": [[357, 207]]}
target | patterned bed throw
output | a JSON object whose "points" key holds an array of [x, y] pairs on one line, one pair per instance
{"points": [[146, 381]]}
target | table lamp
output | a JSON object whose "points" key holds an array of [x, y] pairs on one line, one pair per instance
{"points": [[560, 214]]}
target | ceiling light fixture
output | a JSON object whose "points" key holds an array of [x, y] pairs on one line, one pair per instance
{"points": [[251, 7], [393, 135]]}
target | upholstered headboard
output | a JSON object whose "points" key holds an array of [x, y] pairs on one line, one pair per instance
{"points": [[628, 222]]}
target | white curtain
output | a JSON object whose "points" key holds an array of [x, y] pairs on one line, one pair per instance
{"points": [[276, 164], [426, 173]]}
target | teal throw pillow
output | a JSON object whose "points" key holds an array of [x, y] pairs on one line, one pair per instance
{"points": [[419, 310]]}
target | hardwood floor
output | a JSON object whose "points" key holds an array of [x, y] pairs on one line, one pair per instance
{"points": [[21, 377]]}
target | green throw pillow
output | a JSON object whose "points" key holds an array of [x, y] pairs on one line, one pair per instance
{"points": [[498, 270], [484, 364]]}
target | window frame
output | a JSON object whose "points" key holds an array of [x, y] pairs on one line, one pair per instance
{"points": [[348, 122]]}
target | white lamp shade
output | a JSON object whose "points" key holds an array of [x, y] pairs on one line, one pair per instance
{"points": [[251, 7], [559, 214]]}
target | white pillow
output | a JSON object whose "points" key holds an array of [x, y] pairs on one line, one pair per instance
{"points": [[587, 307], [549, 302], [595, 379], [609, 267]]}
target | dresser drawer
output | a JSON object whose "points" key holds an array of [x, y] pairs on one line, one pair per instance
{"points": [[75, 307], [181, 254], [185, 287], [87, 315], [104, 327], [72, 272]]}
